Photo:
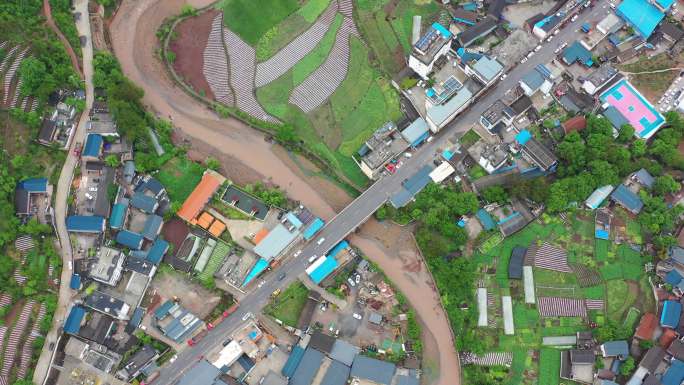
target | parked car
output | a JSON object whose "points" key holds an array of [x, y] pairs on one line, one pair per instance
{"points": [[88, 196], [247, 316], [312, 258], [351, 282], [281, 276], [93, 189], [320, 241], [357, 316]]}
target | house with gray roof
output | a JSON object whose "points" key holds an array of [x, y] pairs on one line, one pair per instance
{"points": [[307, 368], [618, 349], [484, 69], [344, 352], [337, 374]]}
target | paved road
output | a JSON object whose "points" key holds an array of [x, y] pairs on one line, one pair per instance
{"points": [[365, 205], [62, 193]]}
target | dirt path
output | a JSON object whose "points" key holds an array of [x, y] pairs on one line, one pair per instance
{"points": [[47, 11], [248, 157]]}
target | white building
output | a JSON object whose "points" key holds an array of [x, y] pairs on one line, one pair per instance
{"points": [[432, 46]]}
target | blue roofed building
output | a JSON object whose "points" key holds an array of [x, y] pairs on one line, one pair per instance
{"points": [[534, 81], [93, 146], [615, 117], [543, 27], [485, 219], [130, 239], [118, 216], [337, 248], [627, 199], [337, 374], [644, 178], [72, 325], [370, 369], [308, 367], [676, 253], [643, 15], [671, 313], [175, 321], [85, 224], [576, 52], [292, 361], [153, 226], [144, 202], [416, 132], [673, 277], [24, 194], [438, 116], [315, 226], [157, 250], [75, 282], [674, 374], [321, 268], [618, 349]]}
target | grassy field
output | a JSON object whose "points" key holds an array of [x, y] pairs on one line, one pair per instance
{"points": [[288, 305], [363, 102], [278, 36], [549, 366], [386, 26], [652, 85], [250, 19], [180, 176]]}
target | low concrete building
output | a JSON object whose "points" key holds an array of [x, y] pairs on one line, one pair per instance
{"points": [[381, 148], [430, 48]]}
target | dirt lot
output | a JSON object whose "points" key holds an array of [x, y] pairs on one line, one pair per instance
{"points": [[193, 34], [192, 296]]}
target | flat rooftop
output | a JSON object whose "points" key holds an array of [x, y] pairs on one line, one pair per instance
{"points": [[431, 42]]}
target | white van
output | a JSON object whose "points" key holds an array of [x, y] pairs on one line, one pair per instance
{"points": [[320, 241]]}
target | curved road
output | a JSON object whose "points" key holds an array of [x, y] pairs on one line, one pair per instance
{"points": [[62, 193]]}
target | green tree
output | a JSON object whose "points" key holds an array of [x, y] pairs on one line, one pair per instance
{"points": [[286, 134], [665, 184], [627, 367], [495, 194], [638, 148], [626, 133], [112, 161], [212, 163]]}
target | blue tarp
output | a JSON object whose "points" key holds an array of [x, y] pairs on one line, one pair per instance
{"points": [[523, 136], [461, 223], [486, 219], [338, 247], [602, 234], [442, 30], [157, 251], [259, 266], [294, 220], [292, 361], [313, 228], [447, 154], [671, 312], [470, 6], [324, 270], [75, 283], [85, 224], [93, 145], [72, 325]]}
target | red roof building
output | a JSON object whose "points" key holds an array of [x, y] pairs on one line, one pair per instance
{"points": [[577, 123], [646, 327], [668, 336]]}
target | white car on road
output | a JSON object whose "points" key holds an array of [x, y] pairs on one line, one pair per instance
{"points": [[320, 241], [247, 316], [357, 316]]}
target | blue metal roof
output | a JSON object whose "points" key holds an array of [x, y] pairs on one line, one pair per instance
{"points": [[615, 117], [673, 277], [486, 219], [292, 361], [163, 309], [666, 4], [152, 227], [116, 219], [416, 132], [313, 228], [294, 220], [157, 251], [644, 177], [259, 266], [367, 368], [130, 239], [85, 224], [598, 196], [577, 52], [324, 270], [674, 374], [307, 368], [615, 349], [671, 312], [337, 374], [338, 247], [75, 283], [136, 318], [626, 198], [93, 145], [640, 14], [34, 185], [602, 234], [441, 113], [487, 67], [72, 325], [144, 202]]}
